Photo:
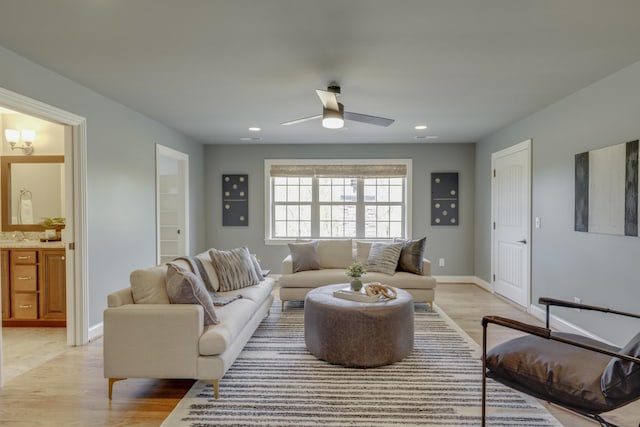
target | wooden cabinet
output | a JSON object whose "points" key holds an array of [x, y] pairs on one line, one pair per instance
{"points": [[33, 287]]}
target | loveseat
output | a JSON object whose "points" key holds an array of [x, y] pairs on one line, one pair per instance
{"points": [[146, 336], [306, 268]]}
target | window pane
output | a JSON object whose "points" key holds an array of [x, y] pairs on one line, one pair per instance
{"points": [[324, 181], [396, 229], [383, 229], [305, 213], [306, 193], [292, 229], [281, 213], [395, 194], [324, 193], [325, 213], [395, 213], [280, 181], [281, 229], [350, 213], [306, 181], [325, 229], [280, 193], [293, 181], [305, 228], [292, 213], [383, 213], [395, 181], [293, 194], [337, 194], [382, 193]]}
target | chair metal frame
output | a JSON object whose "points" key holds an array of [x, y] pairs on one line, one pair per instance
{"points": [[546, 333]]}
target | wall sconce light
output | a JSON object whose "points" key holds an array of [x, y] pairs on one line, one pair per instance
{"points": [[13, 137]]}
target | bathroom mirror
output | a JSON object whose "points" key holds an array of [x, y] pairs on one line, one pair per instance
{"points": [[32, 189]]}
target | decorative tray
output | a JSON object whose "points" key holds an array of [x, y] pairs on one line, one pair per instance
{"points": [[348, 294]]}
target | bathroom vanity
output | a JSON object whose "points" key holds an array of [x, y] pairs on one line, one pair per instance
{"points": [[33, 284]]}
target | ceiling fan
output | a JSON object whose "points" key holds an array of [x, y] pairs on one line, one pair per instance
{"points": [[333, 114]]}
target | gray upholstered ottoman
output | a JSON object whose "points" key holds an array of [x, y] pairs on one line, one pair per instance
{"points": [[357, 334]]}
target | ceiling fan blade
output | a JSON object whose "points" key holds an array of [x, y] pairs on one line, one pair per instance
{"points": [[329, 99], [304, 119], [364, 118]]}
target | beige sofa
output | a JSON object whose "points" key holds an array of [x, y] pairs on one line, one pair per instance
{"points": [[334, 257], [156, 339]]}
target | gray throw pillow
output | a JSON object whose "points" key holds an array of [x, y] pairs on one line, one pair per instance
{"points": [[621, 378], [234, 268], [304, 256], [184, 287], [411, 255], [256, 267], [383, 257]]}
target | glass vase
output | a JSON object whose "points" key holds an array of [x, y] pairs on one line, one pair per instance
{"points": [[356, 284]]}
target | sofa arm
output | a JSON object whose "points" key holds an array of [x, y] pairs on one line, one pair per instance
{"points": [[426, 267], [287, 265], [152, 340]]}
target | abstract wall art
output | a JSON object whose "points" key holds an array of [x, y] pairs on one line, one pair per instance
{"points": [[444, 198], [235, 200], [606, 190]]}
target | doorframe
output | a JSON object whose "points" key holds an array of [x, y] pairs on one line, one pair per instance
{"points": [[75, 162], [524, 145], [165, 151]]}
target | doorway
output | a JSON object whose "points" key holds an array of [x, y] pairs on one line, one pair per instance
{"points": [[74, 234], [172, 203], [511, 223]]}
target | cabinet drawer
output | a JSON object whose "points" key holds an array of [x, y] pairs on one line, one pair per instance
{"points": [[25, 306], [24, 278], [23, 257]]}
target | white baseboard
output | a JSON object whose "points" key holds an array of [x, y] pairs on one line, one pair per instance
{"points": [[96, 331], [465, 279]]}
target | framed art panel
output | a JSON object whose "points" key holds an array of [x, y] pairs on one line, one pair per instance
{"points": [[444, 198], [235, 200]]}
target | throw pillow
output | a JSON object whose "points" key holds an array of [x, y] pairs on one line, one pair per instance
{"points": [[304, 256], [621, 378], [362, 252], [184, 287], [383, 257], [411, 255], [148, 285], [256, 267], [234, 268]]}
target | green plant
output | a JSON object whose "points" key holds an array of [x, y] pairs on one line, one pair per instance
{"points": [[356, 270], [52, 222]]}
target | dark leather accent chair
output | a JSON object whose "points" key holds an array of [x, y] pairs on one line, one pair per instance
{"points": [[573, 371]]}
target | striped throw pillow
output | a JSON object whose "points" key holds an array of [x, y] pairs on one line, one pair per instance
{"points": [[234, 268], [383, 257]]}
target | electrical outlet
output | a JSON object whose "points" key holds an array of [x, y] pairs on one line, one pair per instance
{"points": [[441, 263]]}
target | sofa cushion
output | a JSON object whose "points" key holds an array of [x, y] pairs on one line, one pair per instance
{"points": [[258, 293], [185, 287], [233, 318], [149, 285], [410, 259], [621, 378], [234, 268], [335, 253], [205, 258], [383, 257], [329, 276], [304, 256]]}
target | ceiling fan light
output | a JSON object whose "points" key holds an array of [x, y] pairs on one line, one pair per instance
{"points": [[332, 119]]}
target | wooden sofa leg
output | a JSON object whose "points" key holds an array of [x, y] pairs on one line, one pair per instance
{"points": [[216, 388], [111, 382]]}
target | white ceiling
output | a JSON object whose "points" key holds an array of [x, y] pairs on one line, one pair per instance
{"points": [[211, 69]]}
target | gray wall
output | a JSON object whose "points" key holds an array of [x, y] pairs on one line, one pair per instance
{"points": [[455, 244], [120, 175], [600, 269]]}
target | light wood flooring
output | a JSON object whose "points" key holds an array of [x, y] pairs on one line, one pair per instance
{"points": [[69, 389]]}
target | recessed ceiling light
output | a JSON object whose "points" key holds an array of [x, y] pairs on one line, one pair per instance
{"points": [[425, 137], [255, 129], [420, 127], [248, 138]]}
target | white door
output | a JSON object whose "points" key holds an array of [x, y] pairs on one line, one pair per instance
{"points": [[511, 217], [172, 196]]}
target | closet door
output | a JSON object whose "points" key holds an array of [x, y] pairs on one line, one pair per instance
{"points": [[172, 196]]}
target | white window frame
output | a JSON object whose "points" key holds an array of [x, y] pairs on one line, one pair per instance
{"points": [[268, 208]]}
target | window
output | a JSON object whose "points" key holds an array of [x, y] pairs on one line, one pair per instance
{"points": [[337, 199]]}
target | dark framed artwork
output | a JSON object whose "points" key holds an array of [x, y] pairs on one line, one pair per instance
{"points": [[235, 200], [606, 190], [444, 198]]}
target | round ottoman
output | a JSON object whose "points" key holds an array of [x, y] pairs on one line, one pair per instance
{"points": [[357, 334]]}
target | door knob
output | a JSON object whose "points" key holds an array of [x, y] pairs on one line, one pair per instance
{"points": [[523, 241]]}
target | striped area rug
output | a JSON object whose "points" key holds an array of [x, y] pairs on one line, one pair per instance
{"points": [[276, 382]]}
